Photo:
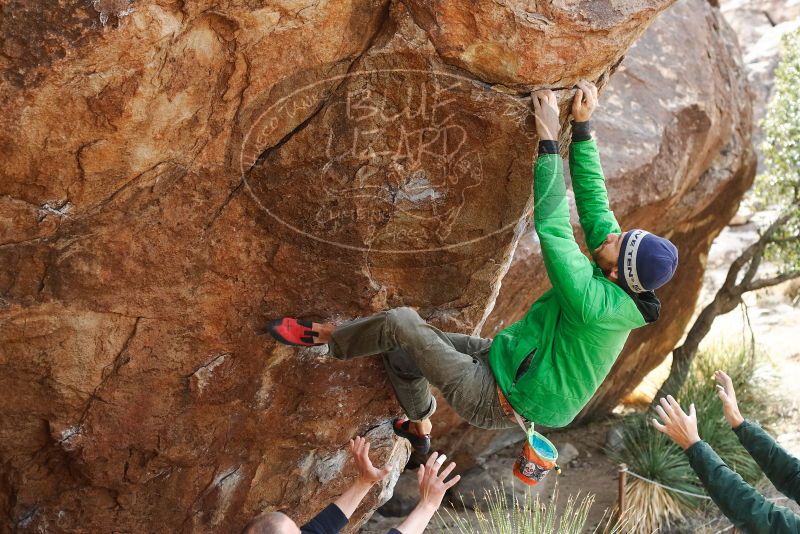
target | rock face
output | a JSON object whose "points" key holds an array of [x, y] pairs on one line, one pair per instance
{"points": [[177, 173]]}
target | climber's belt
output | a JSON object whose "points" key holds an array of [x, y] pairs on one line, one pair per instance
{"points": [[506, 406]]}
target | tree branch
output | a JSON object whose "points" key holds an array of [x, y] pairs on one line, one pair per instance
{"points": [[754, 250], [755, 263], [775, 280]]}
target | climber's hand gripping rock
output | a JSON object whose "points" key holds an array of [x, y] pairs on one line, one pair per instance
{"points": [[584, 102], [546, 108]]}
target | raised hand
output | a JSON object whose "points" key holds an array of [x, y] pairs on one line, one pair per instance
{"points": [[359, 448], [678, 425], [726, 393], [584, 102], [545, 107], [431, 483]]}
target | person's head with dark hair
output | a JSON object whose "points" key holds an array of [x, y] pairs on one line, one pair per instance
{"points": [[271, 523]]}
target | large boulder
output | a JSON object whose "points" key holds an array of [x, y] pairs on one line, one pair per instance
{"points": [[177, 173], [674, 132]]}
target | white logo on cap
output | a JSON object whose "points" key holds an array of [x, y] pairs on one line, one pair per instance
{"points": [[629, 263]]}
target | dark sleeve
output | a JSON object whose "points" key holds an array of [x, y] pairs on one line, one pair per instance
{"points": [[781, 468], [394, 531], [548, 147], [581, 131], [742, 505], [329, 521]]}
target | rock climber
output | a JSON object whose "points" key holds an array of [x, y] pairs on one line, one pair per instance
{"points": [[746, 508], [544, 368], [333, 518]]}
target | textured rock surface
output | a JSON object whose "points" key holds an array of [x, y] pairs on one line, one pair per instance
{"points": [[176, 173], [674, 139]]}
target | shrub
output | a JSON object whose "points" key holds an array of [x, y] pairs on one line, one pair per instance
{"points": [[529, 516]]}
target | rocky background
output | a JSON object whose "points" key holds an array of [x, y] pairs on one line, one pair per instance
{"points": [[175, 174]]}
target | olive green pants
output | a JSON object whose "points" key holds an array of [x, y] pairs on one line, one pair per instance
{"points": [[417, 355]]}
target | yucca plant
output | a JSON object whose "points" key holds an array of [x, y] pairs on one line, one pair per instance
{"points": [[506, 515], [653, 455]]}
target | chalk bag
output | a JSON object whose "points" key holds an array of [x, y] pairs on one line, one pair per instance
{"points": [[537, 458]]}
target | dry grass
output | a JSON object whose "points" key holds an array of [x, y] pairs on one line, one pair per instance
{"points": [[654, 507]]}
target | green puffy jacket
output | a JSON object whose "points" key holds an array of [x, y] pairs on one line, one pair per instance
{"points": [[740, 502], [550, 363]]}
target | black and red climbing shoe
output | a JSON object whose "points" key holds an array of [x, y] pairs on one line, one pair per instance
{"points": [[291, 331], [420, 444]]}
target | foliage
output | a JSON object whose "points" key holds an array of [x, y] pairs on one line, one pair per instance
{"points": [[528, 516], [653, 455], [779, 185]]}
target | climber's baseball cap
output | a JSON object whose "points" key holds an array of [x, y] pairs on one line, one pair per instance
{"points": [[646, 261]]}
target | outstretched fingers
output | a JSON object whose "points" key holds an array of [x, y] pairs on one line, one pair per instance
{"points": [[724, 380], [447, 471], [432, 466], [662, 414], [664, 409], [658, 426], [676, 408], [452, 482]]}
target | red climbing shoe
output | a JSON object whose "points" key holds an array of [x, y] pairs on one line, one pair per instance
{"points": [[291, 331], [420, 444]]}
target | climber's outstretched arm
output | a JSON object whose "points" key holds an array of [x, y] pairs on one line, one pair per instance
{"points": [[741, 503], [588, 182], [368, 475], [570, 272], [432, 487], [333, 518]]}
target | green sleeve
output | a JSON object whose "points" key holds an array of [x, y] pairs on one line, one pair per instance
{"points": [[781, 468], [741, 503], [591, 196], [570, 272]]}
